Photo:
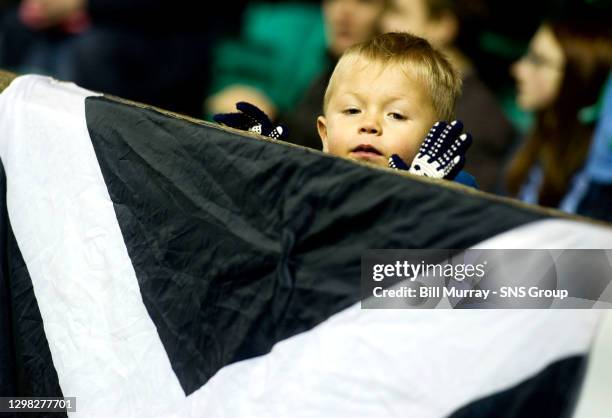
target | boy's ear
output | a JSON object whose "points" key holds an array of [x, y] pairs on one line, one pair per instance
{"points": [[322, 128]]}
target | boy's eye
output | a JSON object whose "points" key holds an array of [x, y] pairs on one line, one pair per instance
{"points": [[351, 111], [397, 116]]}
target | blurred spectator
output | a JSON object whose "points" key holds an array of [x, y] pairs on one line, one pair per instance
{"points": [[69, 15], [279, 51], [347, 22], [448, 25], [153, 51], [596, 197], [559, 80]]}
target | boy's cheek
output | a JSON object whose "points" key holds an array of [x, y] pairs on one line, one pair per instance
{"points": [[409, 152], [332, 139], [413, 152], [414, 140], [329, 147], [335, 147]]}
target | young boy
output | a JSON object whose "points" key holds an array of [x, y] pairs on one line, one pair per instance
{"points": [[382, 99]]}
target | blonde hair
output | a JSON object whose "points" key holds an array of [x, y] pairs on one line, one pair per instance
{"points": [[417, 57]]}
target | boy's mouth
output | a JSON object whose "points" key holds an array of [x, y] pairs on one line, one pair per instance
{"points": [[366, 151]]}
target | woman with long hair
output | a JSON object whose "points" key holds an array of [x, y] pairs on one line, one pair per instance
{"points": [[560, 80]]}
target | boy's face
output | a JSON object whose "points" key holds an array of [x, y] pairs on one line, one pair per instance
{"points": [[374, 112]]}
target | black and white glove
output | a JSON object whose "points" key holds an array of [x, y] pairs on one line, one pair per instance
{"points": [[442, 154], [251, 118]]}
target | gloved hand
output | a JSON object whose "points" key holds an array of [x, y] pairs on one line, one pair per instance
{"points": [[442, 154], [251, 118]]}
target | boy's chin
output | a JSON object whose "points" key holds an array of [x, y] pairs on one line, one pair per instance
{"points": [[371, 159]]}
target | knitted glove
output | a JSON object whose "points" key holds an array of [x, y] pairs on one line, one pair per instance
{"points": [[442, 154], [251, 118]]}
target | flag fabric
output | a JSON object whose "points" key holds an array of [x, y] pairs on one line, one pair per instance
{"points": [[153, 266]]}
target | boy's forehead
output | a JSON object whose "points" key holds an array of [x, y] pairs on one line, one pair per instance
{"points": [[360, 66], [365, 77]]}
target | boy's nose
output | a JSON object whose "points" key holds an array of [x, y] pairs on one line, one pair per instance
{"points": [[369, 127]]}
